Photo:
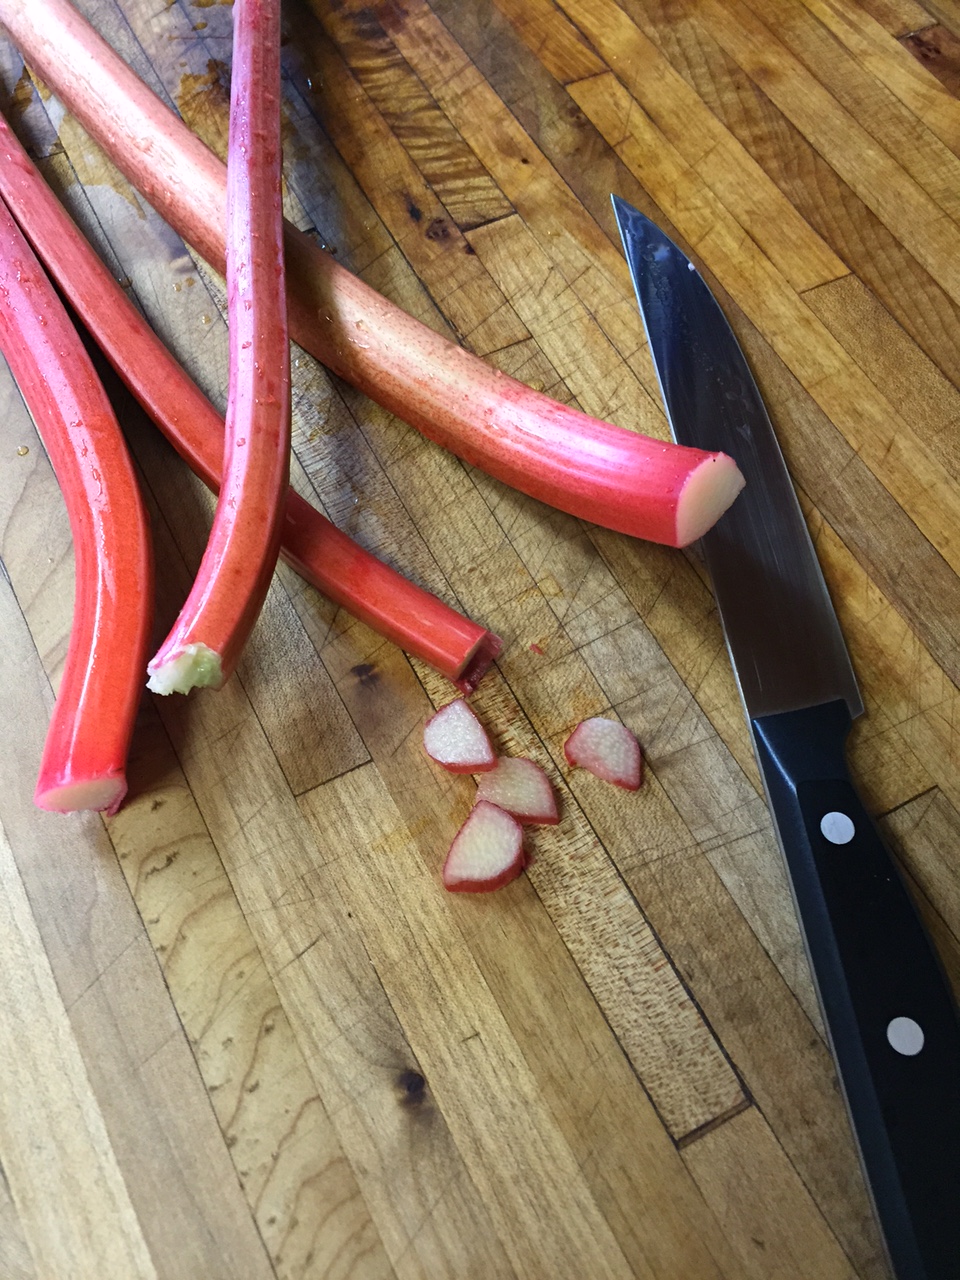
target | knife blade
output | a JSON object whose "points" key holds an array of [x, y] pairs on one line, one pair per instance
{"points": [[891, 1019]]}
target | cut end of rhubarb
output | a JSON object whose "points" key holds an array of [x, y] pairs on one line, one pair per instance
{"points": [[522, 788], [98, 795], [455, 738], [607, 749], [193, 667], [485, 652], [486, 853], [707, 493]]}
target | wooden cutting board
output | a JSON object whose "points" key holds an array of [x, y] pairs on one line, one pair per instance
{"points": [[244, 1032]]}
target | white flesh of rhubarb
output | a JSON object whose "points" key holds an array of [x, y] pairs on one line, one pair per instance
{"points": [[455, 738], [707, 493], [487, 851], [607, 749], [522, 788], [97, 795]]}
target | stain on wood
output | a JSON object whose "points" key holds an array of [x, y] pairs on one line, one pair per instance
{"points": [[937, 49]]}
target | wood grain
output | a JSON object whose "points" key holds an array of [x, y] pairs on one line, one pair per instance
{"points": [[245, 1031]]}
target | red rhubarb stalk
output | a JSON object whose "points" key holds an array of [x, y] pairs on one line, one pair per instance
{"points": [[84, 756], [616, 478], [241, 554], [351, 577]]}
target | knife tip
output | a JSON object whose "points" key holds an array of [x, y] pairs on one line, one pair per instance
{"points": [[621, 209], [631, 221]]}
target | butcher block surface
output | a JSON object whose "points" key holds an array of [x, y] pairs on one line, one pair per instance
{"points": [[244, 1030]]}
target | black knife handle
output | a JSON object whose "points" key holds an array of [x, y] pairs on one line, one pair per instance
{"points": [[890, 1015]]}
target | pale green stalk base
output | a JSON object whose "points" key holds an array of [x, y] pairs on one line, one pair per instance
{"points": [[194, 667]]}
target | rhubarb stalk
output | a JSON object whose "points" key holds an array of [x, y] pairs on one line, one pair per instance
{"points": [[241, 554], [84, 756], [487, 852], [607, 749], [521, 787], [455, 738], [616, 478], [328, 559]]}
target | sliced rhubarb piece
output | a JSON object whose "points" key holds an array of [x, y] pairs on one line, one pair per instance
{"points": [[207, 638], [522, 788], [616, 478], [345, 572], [487, 851], [608, 749], [455, 738], [84, 756]]}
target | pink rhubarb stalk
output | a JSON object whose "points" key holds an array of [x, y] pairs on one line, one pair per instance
{"points": [[84, 756], [616, 478], [241, 554], [329, 560]]}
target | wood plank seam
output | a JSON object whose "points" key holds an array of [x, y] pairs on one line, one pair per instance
{"points": [[696, 1134]]}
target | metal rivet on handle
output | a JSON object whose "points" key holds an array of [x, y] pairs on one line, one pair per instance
{"points": [[837, 827], [906, 1036]]}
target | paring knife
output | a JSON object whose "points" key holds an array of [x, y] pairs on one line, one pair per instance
{"points": [[890, 1015]]}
